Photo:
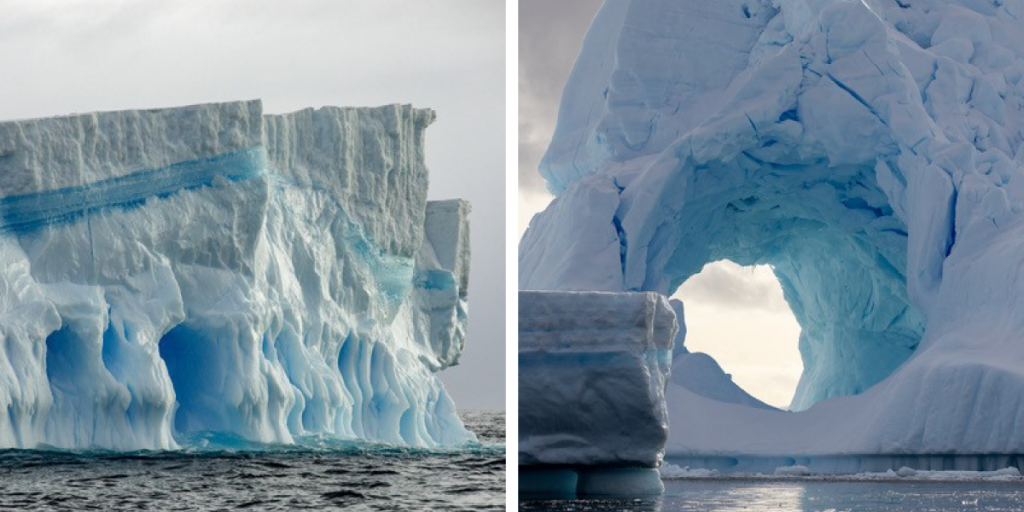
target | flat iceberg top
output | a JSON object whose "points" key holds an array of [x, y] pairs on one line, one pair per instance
{"points": [[601, 319], [350, 152], [41, 155]]}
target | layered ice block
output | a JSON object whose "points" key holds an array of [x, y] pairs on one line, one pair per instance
{"points": [[592, 373]]}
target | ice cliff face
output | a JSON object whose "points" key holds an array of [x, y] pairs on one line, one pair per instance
{"points": [[210, 268], [592, 372], [871, 151]]}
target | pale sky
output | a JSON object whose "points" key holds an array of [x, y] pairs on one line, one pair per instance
{"points": [[735, 314], [66, 56]]}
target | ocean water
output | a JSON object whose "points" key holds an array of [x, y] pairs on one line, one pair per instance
{"points": [[218, 473], [799, 495]]}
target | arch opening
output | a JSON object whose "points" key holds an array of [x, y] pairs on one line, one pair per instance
{"points": [[837, 249], [738, 316]]}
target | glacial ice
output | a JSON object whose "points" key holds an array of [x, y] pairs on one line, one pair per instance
{"points": [[592, 373], [871, 151], [212, 268]]}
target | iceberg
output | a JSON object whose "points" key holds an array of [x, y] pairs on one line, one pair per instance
{"points": [[870, 151], [213, 268], [592, 374]]}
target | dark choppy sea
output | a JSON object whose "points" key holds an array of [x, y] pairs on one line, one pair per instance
{"points": [[313, 474]]}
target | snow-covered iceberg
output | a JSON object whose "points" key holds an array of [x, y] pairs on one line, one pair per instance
{"points": [[871, 151], [212, 268]]}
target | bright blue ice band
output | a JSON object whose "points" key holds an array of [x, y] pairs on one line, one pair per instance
{"points": [[19, 214]]}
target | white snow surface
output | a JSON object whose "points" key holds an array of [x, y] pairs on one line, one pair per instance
{"points": [[871, 151], [209, 268], [592, 374]]}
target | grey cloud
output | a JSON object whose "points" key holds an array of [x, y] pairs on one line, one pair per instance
{"points": [[550, 34]]}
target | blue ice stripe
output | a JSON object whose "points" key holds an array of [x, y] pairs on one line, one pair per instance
{"points": [[32, 211]]}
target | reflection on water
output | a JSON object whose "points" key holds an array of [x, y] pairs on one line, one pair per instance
{"points": [[806, 496]]}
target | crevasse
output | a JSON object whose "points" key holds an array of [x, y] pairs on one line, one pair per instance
{"points": [[212, 268]]}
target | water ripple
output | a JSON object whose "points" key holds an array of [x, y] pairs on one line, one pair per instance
{"points": [[217, 472]]}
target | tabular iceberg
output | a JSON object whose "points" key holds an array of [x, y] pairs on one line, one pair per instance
{"points": [[212, 268], [871, 151]]}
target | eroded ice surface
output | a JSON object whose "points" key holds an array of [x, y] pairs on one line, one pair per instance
{"points": [[209, 268], [870, 151]]}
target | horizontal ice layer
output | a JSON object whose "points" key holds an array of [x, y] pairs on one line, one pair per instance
{"points": [[162, 275], [592, 372], [41, 155], [870, 151]]}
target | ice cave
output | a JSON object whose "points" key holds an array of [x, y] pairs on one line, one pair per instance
{"points": [[212, 269], [871, 152]]}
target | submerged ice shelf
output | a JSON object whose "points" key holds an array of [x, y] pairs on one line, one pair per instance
{"points": [[871, 151], [212, 268]]}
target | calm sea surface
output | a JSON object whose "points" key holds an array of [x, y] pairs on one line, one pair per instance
{"points": [[804, 496], [315, 474]]}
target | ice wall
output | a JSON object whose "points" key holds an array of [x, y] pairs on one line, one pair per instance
{"points": [[209, 268], [871, 151], [592, 373]]}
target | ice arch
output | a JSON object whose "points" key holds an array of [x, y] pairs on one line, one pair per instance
{"points": [[836, 248], [834, 242], [869, 150]]}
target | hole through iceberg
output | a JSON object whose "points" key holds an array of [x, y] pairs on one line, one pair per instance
{"points": [[738, 316], [836, 248]]}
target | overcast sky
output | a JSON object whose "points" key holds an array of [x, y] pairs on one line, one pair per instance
{"points": [[66, 56], [736, 314]]}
